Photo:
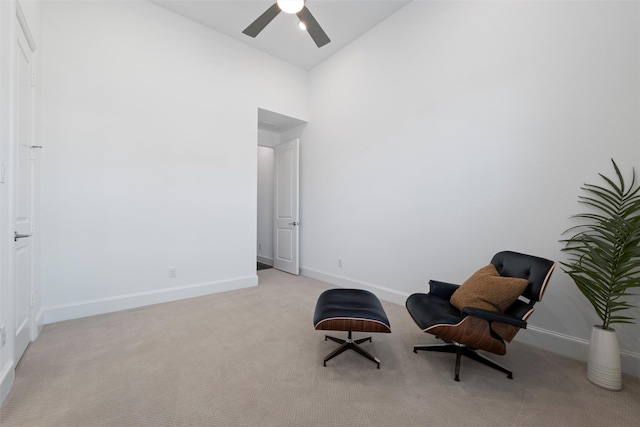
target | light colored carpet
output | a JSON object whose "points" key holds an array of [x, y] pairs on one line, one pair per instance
{"points": [[251, 358]]}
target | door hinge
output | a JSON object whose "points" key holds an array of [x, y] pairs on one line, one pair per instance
{"points": [[33, 79], [33, 299], [33, 227], [32, 152]]}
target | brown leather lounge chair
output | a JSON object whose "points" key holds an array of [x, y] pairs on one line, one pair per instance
{"points": [[486, 312]]}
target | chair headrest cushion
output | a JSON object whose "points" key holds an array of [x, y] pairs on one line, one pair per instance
{"points": [[536, 270]]}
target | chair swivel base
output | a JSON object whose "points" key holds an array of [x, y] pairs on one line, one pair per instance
{"points": [[462, 350], [350, 344]]}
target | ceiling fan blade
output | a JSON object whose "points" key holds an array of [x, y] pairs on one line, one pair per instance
{"points": [[313, 28], [263, 20]]}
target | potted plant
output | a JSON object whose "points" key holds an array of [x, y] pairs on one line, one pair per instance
{"points": [[604, 263]]}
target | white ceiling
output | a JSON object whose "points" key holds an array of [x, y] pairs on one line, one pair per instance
{"points": [[342, 20]]}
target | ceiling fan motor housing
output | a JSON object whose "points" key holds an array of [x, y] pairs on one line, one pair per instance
{"points": [[290, 6]]}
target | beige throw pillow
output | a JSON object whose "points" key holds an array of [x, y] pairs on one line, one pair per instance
{"points": [[488, 290]]}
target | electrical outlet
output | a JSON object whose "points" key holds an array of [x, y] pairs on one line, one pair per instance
{"points": [[259, 246], [340, 262], [3, 332], [173, 272]]}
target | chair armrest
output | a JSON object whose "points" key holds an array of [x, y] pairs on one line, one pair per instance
{"points": [[442, 289], [492, 316]]}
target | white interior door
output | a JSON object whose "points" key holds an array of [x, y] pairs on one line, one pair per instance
{"points": [[23, 197], [286, 208]]}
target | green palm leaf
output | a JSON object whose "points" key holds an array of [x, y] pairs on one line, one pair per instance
{"points": [[604, 250]]}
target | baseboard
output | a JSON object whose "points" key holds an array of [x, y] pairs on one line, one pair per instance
{"points": [[265, 260], [575, 348], [566, 345], [381, 292], [39, 323], [7, 377], [80, 309]]}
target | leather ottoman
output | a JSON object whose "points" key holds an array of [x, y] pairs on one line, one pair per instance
{"points": [[350, 310]]}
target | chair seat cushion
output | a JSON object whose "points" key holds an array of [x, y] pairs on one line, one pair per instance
{"points": [[487, 290], [350, 310], [429, 309]]}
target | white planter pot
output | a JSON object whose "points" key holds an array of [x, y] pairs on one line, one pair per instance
{"points": [[603, 363]]}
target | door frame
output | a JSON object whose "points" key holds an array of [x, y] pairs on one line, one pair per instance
{"points": [[274, 129]]}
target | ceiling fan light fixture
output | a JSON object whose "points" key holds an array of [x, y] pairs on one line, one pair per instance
{"points": [[302, 25], [290, 6], [297, 7]]}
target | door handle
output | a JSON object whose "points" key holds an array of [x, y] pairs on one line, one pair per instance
{"points": [[17, 236], [294, 223]]}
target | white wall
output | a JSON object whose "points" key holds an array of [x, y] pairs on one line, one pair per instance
{"points": [[265, 204], [149, 127], [454, 130]]}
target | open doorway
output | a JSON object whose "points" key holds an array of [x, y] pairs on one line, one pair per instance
{"points": [[274, 129], [265, 208]]}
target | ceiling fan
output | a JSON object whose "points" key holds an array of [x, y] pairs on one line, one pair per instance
{"points": [[297, 7]]}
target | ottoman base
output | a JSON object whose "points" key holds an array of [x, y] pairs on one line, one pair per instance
{"points": [[350, 344]]}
